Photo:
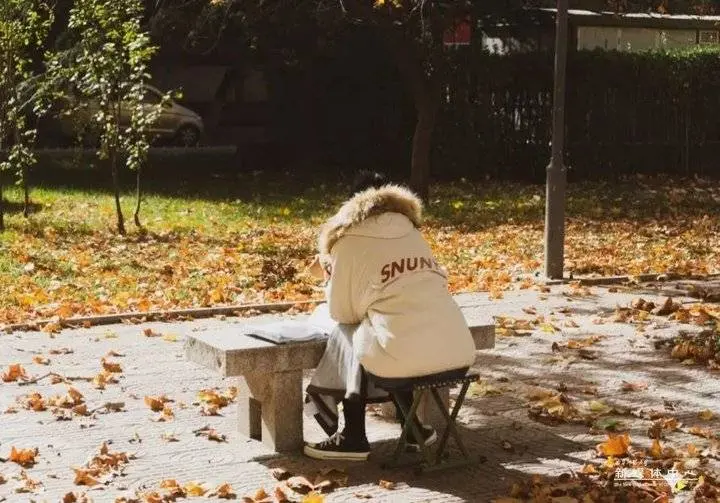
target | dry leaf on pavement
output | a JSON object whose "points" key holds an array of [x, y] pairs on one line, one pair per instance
{"points": [[23, 457], [156, 403], [15, 372], [615, 446], [706, 415], [110, 366]]}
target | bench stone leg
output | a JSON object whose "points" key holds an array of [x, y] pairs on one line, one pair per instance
{"points": [[427, 411], [270, 409]]}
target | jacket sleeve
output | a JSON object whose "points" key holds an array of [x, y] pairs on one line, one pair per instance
{"points": [[343, 285]]}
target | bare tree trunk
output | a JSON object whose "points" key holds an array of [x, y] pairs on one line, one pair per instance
{"points": [[116, 186], [26, 191], [138, 196], [425, 89], [422, 147], [114, 167], [24, 175]]}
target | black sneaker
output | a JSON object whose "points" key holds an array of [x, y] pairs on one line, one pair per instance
{"points": [[429, 435], [337, 447]]}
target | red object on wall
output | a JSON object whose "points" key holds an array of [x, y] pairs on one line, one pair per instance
{"points": [[459, 34]]}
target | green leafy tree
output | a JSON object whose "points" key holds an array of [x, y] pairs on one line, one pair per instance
{"points": [[107, 81], [24, 25]]}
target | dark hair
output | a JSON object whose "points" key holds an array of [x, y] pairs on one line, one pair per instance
{"points": [[367, 179]]}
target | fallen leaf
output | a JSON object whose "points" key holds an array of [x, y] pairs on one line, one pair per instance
{"points": [[583, 343], [148, 332], [330, 479], [281, 474], [169, 437], [386, 484], [33, 401], [280, 496], [14, 372], [599, 407], [633, 386], [23, 457], [156, 403], [210, 434], [112, 367], [300, 485], [170, 338], [313, 498], [83, 478], [655, 449], [75, 395], [52, 328], [483, 388], [41, 360], [195, 489], [615, 445], [28, 485], [61, 351], [706, 415], [166, 414]]}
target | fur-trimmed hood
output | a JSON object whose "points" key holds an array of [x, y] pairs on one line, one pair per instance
{"points": [[369, 203]]}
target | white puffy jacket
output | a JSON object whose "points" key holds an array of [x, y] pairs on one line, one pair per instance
{"points": [[385, 278]]}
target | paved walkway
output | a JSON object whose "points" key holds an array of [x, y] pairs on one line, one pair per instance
{"points": [[496, 426]]}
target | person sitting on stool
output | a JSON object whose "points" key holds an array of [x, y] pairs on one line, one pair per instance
{"points": [[395, 315]]}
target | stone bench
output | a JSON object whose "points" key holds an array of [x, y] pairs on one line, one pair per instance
{"points": [[270, 392]]}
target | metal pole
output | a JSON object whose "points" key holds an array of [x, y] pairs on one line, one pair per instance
{"points": [[556, 173]]}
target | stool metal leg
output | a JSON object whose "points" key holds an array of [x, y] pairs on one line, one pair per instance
{"points": [[411, 426], [450, 421]]}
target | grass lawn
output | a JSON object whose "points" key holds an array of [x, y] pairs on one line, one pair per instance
{"points": [[244, 239]]}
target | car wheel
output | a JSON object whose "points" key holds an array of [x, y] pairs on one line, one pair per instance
{"points": [[188, 136]]}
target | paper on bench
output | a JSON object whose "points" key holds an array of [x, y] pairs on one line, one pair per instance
{"points": [[317, 327]]}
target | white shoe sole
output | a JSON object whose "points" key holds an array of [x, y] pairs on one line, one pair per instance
{"points": [[311, 452], [428, 442]]}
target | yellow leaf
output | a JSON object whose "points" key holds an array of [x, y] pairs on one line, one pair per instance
{"points": [[615, 445], [156, 404], [195, 489], [706, 415], [212, 397], [170, 337], [589, 469], [599, 407], [548, 328], [41, 360], [656, 449], [483, 388], [313, 497]]}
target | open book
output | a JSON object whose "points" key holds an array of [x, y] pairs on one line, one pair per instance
{"points": [[317, 327]]}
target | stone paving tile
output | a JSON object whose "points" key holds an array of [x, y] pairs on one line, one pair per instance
{"points": [[497, 428]]}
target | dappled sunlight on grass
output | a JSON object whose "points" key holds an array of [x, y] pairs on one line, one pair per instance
{"points": [[250, 240]]}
